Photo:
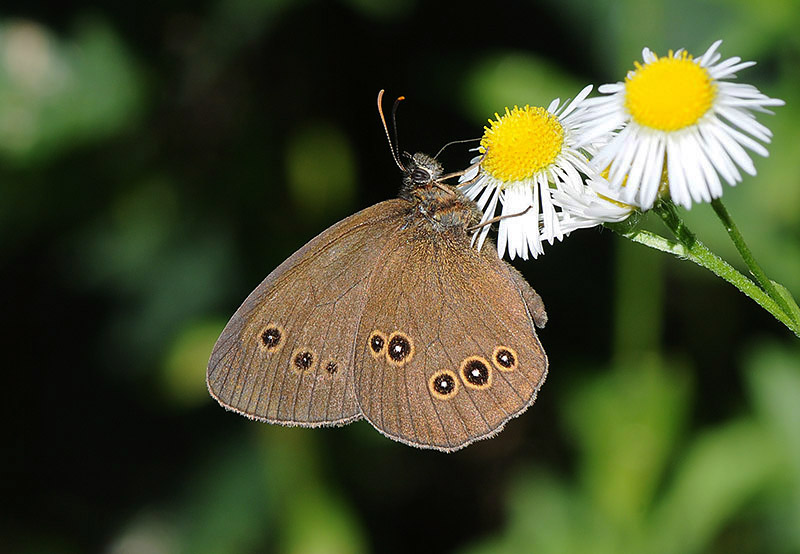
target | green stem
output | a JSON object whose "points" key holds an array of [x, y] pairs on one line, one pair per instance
{"points": [[689, 248], [747, 256], [637, 325]]}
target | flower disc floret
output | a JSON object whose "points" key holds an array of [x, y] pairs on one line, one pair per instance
{"points": [[521, 143], [671, 93]]}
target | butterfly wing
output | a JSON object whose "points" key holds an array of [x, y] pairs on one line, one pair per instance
{"points": [[286, 355], [446, 353]]}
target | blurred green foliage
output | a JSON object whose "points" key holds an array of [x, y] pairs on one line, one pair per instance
{"points": [[54, 93], [320, 170], [628, 426], [156, 162]]}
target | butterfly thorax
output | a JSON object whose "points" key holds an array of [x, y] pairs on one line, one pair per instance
{"points": [[441, 204]]}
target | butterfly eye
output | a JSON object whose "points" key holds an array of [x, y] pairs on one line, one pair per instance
{"points": [[504, 358], [271, 337], [400, 349], [476, 373], [443, 385], [420, 176]]}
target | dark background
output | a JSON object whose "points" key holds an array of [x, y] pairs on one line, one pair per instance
{"points": [[158, 160]]}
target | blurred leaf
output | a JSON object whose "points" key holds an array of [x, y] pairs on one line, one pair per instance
{"points": [[757, 26], [314, 517], [618, 30], [163, 269], [790, 301], [231, 505], [774, 378], [237, 21], [543, 517], [773, 373], [511, 79], [626, 423], [321, 170], [183, 377], [54, 95], [722, 470], [382, 9], [147, 533], [320, 523], [637, 321], [121, 246]]}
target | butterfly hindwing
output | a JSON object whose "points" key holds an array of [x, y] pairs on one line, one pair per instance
{"points": [[286, 356], [447, 352]]}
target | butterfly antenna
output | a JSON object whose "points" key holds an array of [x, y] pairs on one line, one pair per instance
{"points": [[394, 119], [392, 146], [451, 143]]}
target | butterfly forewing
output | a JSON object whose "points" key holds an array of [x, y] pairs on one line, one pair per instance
{"points": [[286, 356], [459, 354]]}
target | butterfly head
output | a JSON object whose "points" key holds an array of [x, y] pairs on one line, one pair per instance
{"points": [[441, 204], [420, 170]]}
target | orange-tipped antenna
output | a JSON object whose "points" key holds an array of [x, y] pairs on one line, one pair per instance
{"points": [[392, 147], [394, 120]]}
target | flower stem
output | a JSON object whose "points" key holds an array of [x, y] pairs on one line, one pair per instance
{"points": [[747, 256], [689, 248]]}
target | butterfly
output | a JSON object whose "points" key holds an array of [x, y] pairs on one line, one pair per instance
{"points": [[390, 315]]}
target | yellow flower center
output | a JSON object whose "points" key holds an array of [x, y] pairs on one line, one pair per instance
{"points": [[521, 143], [606, 173], [669, 94]]}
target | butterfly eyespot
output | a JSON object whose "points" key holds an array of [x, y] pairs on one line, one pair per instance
{"points": [[303, 360], [377, 341], [331, 367], [443, 385], [399, 349], [476, 373], [271, 337], [504, 358]]}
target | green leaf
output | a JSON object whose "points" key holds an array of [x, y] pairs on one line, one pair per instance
{"points": [[626, 424], [794, 312], [722, 470]]}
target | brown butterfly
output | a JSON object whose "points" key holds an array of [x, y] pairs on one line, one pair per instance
{"points": [[389, 315]]}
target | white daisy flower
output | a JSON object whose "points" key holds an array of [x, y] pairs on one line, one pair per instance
{"points": [[679, 111], [528, 153], [591, 204]]}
